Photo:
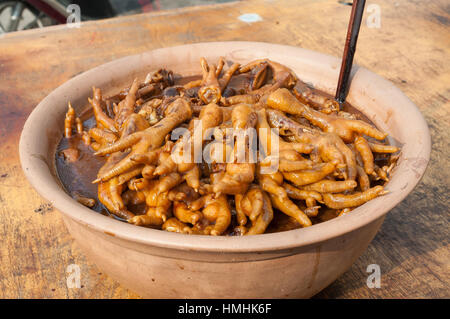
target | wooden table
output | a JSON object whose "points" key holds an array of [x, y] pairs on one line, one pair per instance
{"points": [[412, 49]]}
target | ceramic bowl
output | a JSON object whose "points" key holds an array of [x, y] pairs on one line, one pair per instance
{"points": [[293, 264]]}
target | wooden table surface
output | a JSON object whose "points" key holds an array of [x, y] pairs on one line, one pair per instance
{"points": [[411, 49]]}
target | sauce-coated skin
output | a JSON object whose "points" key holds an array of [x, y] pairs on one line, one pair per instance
{"points": [[323, 160]]}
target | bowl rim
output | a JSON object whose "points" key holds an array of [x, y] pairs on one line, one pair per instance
{"points": [[35, 169]]}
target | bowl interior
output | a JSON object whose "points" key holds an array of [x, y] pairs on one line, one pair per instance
{"points": [[385, 105]]}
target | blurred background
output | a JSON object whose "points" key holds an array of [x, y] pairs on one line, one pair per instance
{"points": [[28, 14]]}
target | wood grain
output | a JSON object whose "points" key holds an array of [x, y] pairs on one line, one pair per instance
{"points": [[412, 49]]}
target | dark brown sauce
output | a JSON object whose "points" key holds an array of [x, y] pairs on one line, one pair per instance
{"points": [[77, 176]]}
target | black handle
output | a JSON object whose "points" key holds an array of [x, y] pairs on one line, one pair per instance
{"points": [[349, 49]]}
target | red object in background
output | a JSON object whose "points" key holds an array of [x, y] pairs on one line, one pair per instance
{"points": [[48, 10], [147, 5]]}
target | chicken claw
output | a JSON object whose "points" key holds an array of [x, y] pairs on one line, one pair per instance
{"points": [[148, 140], [210, 91], [285, 101]]}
